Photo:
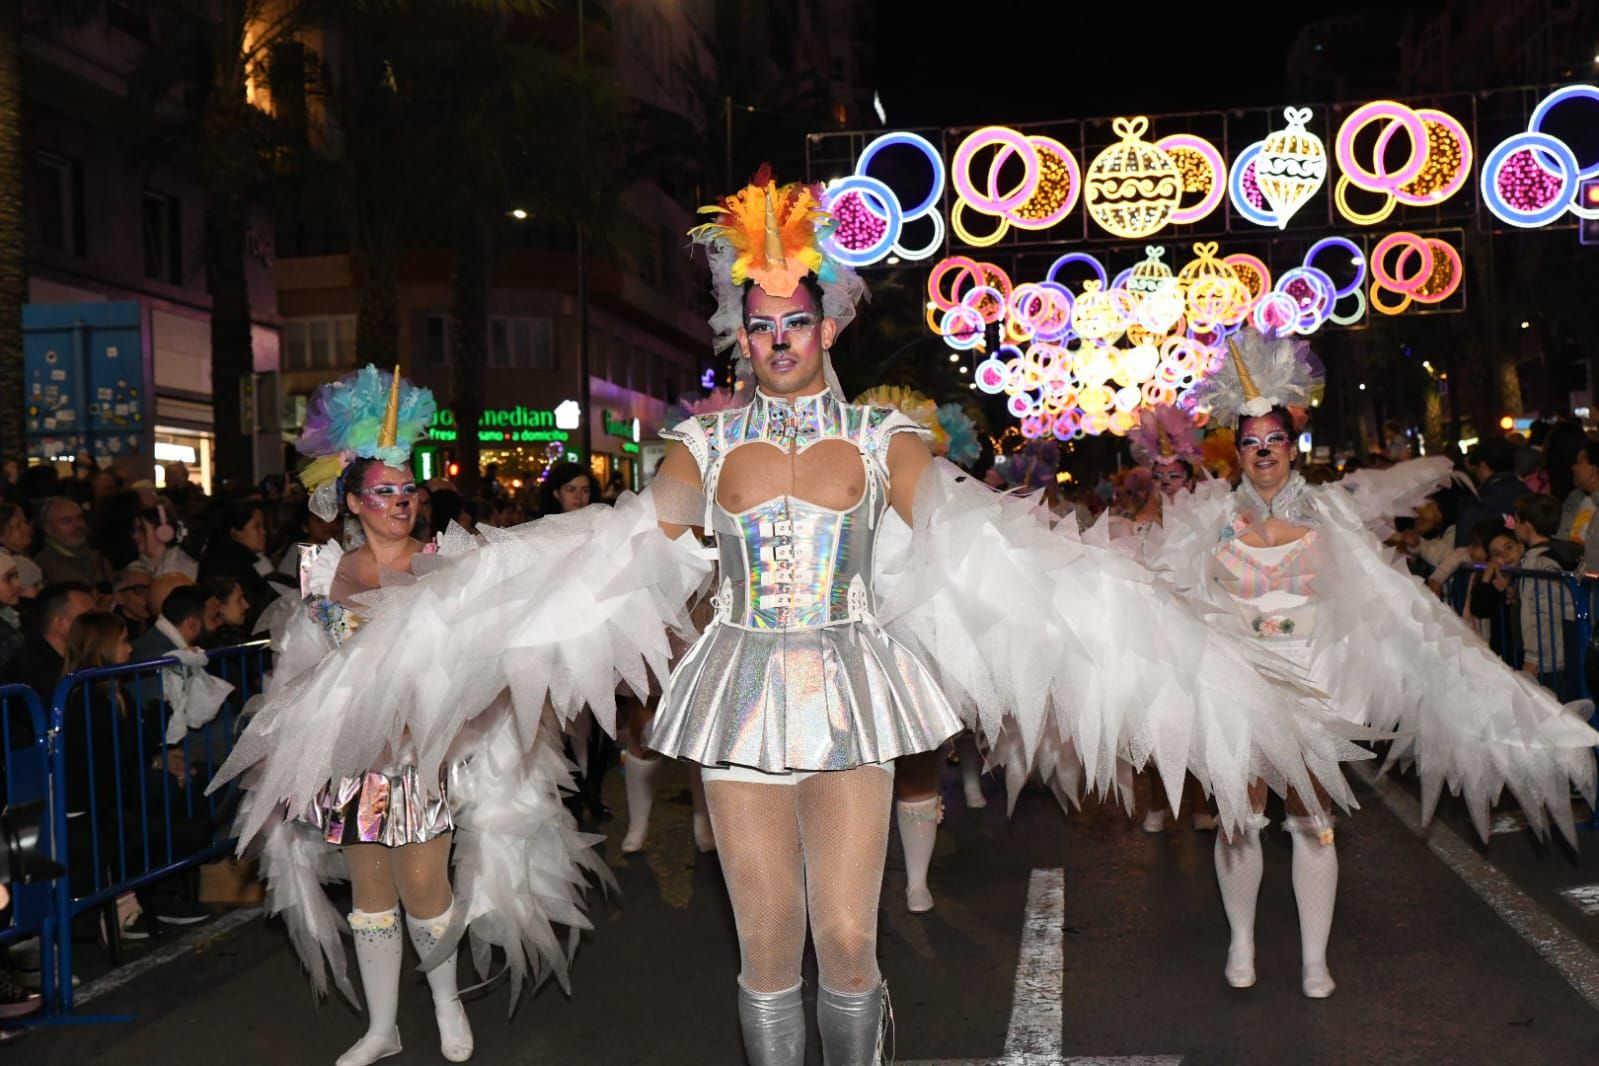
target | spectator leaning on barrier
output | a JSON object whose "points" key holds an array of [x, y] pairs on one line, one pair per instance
{"points": [[66, 555], [1492, 591], [1585, 478], [1547, 608], [180, 625], [1493, 463], [38, 663]]}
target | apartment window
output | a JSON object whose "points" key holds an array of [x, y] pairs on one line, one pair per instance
{"points": [[163, 238], [326, 343], [58, 202], [522, 343], [438, 340]]}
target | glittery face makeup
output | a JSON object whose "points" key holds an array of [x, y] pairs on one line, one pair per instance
{"points": [[387, 501], [784, 338]]}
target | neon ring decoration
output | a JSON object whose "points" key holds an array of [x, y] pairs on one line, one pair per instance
{"points": [[934, 161], [1290, 166], [1243, 187], [1203, 171], [1519, 189], [1357, 259], [1437, 166], [1055, 192], [1436, 276], [1554, 100], [852, 242]]}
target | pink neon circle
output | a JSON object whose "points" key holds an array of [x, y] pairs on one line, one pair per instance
{"points": [[1362, 117], [1040, 145], [960, 169], [1424, 247], [1456, 273], [1218, 170], [969, 268], [1458, 132]]}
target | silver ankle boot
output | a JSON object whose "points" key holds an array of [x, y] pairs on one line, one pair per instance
{"points": [[852, 1025], [774, 1026]]}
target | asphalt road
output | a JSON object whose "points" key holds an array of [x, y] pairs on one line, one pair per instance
{"points": [[1427, 970]]}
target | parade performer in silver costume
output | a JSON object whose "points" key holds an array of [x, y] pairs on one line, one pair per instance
{"points": [[378, 817], [823, 662]]}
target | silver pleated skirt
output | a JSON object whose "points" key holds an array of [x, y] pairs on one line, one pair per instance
{"points": [[829, 698], [390, 807]]}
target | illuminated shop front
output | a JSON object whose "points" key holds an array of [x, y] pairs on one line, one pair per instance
{"points": [[523, 441]]}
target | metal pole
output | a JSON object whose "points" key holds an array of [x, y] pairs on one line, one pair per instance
{"points": [[585, 430], [727, 129]]}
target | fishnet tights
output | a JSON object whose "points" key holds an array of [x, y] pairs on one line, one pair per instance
{"points": [[417, 874], [818, 848]]}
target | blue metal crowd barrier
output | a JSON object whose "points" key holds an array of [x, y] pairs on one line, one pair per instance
{"points": [[1558, 608], [25, 751], [126, 813]]}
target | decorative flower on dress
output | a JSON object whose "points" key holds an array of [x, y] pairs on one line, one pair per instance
{"points": [[359, 416], [337, 620], [1265, 626]]}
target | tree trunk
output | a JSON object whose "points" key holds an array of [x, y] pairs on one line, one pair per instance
{"points": [[232, 359], [469, 342], [13, 236]]}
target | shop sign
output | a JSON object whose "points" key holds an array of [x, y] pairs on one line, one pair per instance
{"points": [[617, 427], [514, 425]]}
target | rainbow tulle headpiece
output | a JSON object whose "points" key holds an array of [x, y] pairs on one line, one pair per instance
{"points": [[954, 433], [771, 235], [1164, 434], [359, 416]]}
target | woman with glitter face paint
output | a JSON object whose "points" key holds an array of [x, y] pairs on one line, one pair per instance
{"points": [[823, 662], [392, 825], [1303, 570]]}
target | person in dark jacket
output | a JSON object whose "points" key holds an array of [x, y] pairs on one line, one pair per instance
{"points": [[237, 550], [1493, 463]]}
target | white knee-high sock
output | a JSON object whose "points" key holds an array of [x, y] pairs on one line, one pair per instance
{"points": [[1239, 865], [1316, 893], [378, 952], [639, 775], [918, 832]]}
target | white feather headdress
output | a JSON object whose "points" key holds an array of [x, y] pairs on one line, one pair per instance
{"points": [[1262, 372]]}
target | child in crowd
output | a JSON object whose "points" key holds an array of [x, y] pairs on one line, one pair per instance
{"points": [[1548, 611]]}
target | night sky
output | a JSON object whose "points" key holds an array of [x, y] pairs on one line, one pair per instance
{"points": [[951, 64]]}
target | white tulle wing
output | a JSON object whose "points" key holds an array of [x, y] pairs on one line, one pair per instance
{"points": [[1383, 495], [1079, 645], [557, 612], [1399, 658]]}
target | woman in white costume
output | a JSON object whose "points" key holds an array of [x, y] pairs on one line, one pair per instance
{"points": [[1298, 568], [379, 817]]}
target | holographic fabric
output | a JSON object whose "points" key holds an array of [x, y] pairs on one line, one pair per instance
{"points": [[794, 672], [392, 806]]}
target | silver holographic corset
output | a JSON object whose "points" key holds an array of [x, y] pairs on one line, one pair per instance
{"points": [[794, 672]]}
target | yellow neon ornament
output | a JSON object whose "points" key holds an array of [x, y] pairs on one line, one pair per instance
{"points": [[1291, 166], [1132, 187]]}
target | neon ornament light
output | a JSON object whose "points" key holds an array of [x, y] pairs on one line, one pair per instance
{"points": [[1290, 166], [1133, 186]]}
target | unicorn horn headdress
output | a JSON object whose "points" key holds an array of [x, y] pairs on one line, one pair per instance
{"points": [[358, 417], [1164, 434], [1261, 372], [772, 236]]}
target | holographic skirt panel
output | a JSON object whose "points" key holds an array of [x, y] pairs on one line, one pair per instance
{"points": [[829, 698], [389, 808]]}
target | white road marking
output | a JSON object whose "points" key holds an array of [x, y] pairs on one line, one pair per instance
{"points": [[1034, 1037], [188, 944], [1584, 897], [1575, 960]]}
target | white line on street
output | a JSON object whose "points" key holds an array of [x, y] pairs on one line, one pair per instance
{"points": [[1575, 960], [1584, 897], [1034, 1037]]}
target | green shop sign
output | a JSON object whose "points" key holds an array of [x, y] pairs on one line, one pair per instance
{"points": [[627, 429], [514, 425]]}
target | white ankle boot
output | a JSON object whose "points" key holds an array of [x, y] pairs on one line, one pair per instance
{"points": [[455, 1032], [639, 775], [378, 951]]}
